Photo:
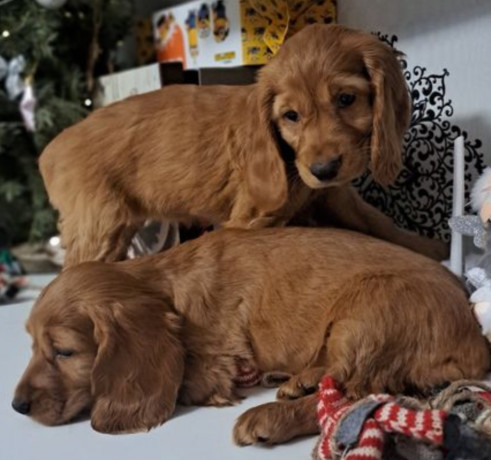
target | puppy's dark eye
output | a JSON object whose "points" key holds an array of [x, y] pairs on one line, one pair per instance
{"points": [[61, 353], [291, 115], [345, 99]]}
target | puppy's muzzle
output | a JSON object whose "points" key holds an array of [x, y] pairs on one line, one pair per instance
{"points": [[326, 170]]}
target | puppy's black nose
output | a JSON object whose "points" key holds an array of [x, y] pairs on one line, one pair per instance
{"points": [[21, 406], [326, 170]]}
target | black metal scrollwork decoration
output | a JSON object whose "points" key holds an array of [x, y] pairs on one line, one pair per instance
{"points": [[421, 198]]}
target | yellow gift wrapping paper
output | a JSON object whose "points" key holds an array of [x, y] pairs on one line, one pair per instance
{"points": [[266, 24]]}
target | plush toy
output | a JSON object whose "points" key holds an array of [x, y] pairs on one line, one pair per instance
{"points": [[12, 278], [479, 277], [453, 424]]}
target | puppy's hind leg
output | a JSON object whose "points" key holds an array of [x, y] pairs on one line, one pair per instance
{"points": [[104, 237], [404, 332]]}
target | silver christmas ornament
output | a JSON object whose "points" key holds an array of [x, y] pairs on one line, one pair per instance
{"points": [[51, 4]]}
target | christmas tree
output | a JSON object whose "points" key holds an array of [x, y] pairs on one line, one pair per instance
{"points": [[50, 53]]}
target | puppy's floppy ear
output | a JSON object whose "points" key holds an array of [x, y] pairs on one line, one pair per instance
{"points": [[265, 170], [391, 109], [139, 365]]}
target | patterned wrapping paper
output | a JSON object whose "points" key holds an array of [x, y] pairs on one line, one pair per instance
{"points": [[266, 24]]}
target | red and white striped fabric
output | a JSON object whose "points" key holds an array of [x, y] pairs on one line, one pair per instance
{"points": [[424, 425], [247, 375], [389, 417], [370, 444], [331, 407]]}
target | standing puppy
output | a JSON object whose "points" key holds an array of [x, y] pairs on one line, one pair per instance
{"points": [[329, 104]]}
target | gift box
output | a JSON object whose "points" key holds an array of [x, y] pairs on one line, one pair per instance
{"points": [[145, 49], [225, 33]]}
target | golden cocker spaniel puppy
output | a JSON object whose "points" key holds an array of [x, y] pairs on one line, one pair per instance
{"points": [[331, 102], [127, 340]]}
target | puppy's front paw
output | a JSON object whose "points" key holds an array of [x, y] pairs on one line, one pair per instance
{"points": [[264, 424], [301, 384], [277, 422]]}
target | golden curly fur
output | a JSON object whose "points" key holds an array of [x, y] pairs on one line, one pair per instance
{"points": [[127, 340], [332, 101]]}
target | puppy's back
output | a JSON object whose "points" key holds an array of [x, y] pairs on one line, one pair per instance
{"points": [[144, 145], [389, 311]]}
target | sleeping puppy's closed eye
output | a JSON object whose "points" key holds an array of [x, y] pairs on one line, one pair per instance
{"points": [[335, 98]]}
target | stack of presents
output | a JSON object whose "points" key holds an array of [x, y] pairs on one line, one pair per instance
{"points": [[225, 33]]}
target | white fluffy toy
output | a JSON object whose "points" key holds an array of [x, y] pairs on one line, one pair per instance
{"points": [[479, 277]]}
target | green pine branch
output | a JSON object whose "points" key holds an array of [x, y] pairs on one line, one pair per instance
{"points": [[55, 45]]}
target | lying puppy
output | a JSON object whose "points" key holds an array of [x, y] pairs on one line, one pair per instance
{"points": [[128, 340], [330, 102]]}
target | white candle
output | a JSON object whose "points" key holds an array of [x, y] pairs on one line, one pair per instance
{"points": [[456, 255]]}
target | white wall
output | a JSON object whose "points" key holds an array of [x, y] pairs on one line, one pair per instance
{"points": [[438, 34]]}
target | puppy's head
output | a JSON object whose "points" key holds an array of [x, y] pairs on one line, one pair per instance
{"points": [[105, 344], [338, 98]]}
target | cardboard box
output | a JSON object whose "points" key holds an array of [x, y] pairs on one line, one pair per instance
{"points": [[222, 33], [120, 85]]}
